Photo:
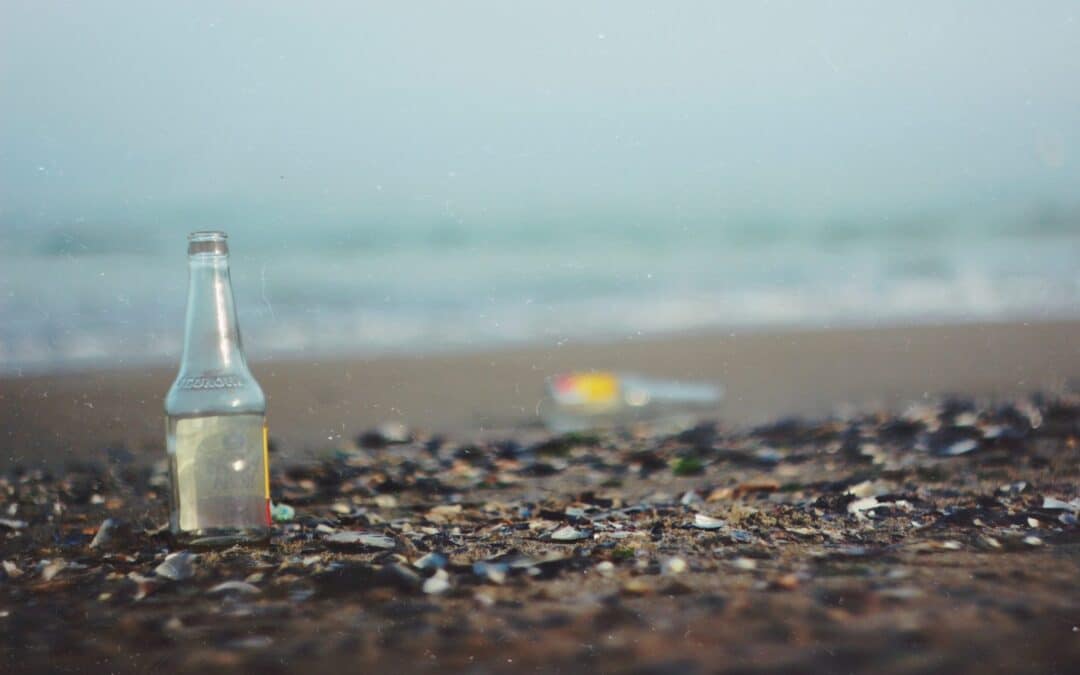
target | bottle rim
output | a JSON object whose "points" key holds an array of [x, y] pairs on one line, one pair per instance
{"points": [[207, 235], [208, 242]]}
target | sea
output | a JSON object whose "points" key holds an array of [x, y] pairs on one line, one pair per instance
{"points": [[98, 296]]}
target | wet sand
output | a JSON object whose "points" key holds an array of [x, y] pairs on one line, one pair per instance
{"points": [[315, 404]]}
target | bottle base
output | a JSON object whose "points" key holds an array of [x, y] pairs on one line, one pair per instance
{"points": [[223, 537]]}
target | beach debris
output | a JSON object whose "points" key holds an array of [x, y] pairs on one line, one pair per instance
{"points": [[177, 566], [491, 571], [674, 565], [144, 585], [50, 568], [368, 539], [238, 587], [688, 466], [475, 534], [387, 433], [437, 583], [282, 513], [960, 447], [431, 561], [865, 504], [1056, 504], [251, 643], [111, 534], [569, 533], [704, 522]]}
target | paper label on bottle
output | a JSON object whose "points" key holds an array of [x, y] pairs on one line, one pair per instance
{"points": [[598, 389], [221, 472]]}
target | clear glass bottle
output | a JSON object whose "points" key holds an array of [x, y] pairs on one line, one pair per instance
{"points": [[216, 415]]}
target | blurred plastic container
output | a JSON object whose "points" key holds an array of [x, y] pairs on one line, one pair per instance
{"points": [[591, 400]]}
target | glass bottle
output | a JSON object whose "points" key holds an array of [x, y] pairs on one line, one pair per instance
{"points": [[580, 401], [215, 415]]}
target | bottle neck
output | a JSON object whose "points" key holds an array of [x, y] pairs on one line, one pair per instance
{"points": [[212, 334]]}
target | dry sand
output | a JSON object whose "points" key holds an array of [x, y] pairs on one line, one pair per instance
{"points": [[315, 403]]}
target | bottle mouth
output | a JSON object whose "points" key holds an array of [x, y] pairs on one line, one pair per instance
{"points": [[208, 242]]}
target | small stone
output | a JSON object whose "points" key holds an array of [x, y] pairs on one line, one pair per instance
{"points": [[109, 534], [361, 539], [569, 533], [431, 561], [177, 566], [605, 568], [901, 593], [1058, 504], [401, 576], [785, 582], [704, 522], [990, 542], [864, 504], [144, 586], [960, 447], [12, 524], [1032, 540], [690, 497], [252, 642], [239, 587], [437, 583], [744, 564], [636, 586], [673, 566], [51, 569], [494, 572], [12, 570]]}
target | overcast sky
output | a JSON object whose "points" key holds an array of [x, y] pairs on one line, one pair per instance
{"points": [[487, 112]]}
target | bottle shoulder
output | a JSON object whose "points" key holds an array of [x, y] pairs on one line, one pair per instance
{"points": [[231, 393]]}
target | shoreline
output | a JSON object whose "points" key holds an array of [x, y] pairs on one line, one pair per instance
{"points": [[320, 403]]}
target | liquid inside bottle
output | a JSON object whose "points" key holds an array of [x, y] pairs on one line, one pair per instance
{"points": [[216, 435]]}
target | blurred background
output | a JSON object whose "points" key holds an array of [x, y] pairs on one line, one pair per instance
{"points": [[422, 177]]}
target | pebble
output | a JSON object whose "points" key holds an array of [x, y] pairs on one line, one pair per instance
{"points": [[437, 583], [12, 524], [673, 566], [494, 572], [569, 533], [177, 566], [51, 569], [12, 570], [864, 504], [704, 522], [431, 561], [361, 539], [241, 587], [745, 564], [1058, 504], [104, 534]]}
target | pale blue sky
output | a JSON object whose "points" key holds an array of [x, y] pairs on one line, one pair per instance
{"points": [[493, 112]]}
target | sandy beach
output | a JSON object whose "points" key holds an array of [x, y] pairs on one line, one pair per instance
{"points": [[320, 403]]}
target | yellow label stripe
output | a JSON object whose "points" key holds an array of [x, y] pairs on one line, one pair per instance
{"points": [[266, 459]]}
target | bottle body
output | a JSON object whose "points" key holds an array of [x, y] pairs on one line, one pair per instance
{"points": [[216, 435]]}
